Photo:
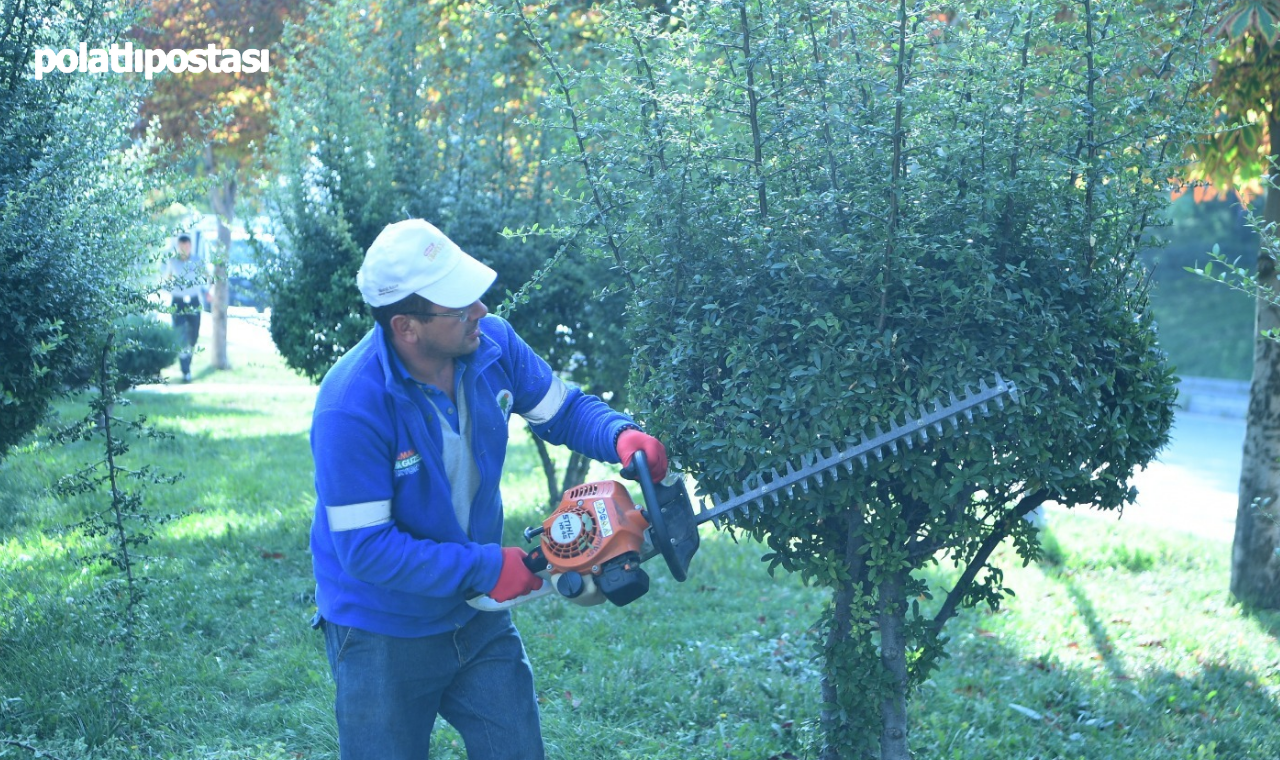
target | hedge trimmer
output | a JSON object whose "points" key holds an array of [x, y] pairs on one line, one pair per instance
{"points": [[597, 538]]}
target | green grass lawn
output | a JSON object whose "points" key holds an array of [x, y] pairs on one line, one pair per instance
{"points": [[1121, 644]]}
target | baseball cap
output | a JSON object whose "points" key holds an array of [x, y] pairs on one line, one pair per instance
{"points": [[412, 256]]}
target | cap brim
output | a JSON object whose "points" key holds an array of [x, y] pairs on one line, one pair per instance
{"points": [[462, 286]]}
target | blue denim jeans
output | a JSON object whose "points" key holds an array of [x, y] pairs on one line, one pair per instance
{"points": [[391, 689]]}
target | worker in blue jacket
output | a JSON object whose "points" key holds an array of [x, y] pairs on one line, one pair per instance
{"points": [[409, 435]]}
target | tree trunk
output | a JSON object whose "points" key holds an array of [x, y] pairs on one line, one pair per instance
{"points": [[893, 656], [575, 472], [832, 717], [222, 197], [548, 470], [1255, 566]]}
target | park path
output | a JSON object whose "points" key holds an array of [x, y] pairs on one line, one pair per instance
{"points": [[248, 334], [1193, 483]]}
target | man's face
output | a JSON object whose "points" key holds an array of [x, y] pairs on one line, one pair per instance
{"points": [[447, 337], [184, 249]]}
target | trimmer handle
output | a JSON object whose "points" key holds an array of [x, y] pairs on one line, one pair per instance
{"points": [[638, 470], [536, 561]]}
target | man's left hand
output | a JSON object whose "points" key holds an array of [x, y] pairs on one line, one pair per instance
{"points": [[655, 453]]}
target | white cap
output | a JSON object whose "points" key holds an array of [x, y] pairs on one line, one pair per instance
{"points": [[413, 256]]}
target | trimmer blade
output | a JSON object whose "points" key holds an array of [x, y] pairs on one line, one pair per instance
{"points": [[814, 466]]}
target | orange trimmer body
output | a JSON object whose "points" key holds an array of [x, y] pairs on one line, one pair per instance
{"points": [[594, 523]]}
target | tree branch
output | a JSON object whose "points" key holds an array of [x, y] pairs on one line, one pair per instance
{"points": [[999, 532], [584, 157], [895, 170], [33, 750], [753, 101]]}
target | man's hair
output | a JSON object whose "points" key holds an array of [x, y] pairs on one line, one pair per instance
{"points": [[409, 304], [184, 238]]}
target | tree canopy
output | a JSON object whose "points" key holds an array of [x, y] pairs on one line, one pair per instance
{"points": [[836, 214], [1246, 82], [424, 110]]}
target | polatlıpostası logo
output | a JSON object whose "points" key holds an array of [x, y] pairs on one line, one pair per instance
{"points": [[125, 59]]}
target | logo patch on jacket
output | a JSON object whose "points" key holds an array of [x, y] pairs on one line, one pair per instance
{"points": [[408, 462], [505, 400]]}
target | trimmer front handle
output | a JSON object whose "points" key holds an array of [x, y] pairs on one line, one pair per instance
{"points": [[672, 529]]}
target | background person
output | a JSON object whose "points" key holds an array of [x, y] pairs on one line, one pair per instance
{"points": [[409, 435], [186, 275]]}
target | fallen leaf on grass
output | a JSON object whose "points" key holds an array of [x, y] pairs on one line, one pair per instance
{"points": [[1027, 711], [1151, 643], [1096, 722], [574, 703]]}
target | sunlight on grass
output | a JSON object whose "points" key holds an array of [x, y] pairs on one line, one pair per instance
{"points": [[253, 356], [1106, 650], [216, 523], [223, 415], [17, 551], [1122, 640]]}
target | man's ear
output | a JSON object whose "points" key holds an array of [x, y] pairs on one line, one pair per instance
{"points": [[402, 328]]}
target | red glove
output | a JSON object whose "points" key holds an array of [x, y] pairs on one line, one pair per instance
{"points": [[632, 441], [514, 579]]}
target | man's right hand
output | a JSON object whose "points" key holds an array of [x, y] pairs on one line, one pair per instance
{"points": [[514, 580]]}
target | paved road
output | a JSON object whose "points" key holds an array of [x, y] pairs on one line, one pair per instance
{"points": [[1192, 484]]}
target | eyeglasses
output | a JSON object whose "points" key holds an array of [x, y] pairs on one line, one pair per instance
{"points": [[461, 316]]}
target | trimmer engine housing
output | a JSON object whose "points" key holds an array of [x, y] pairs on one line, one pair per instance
{"points": [[599, 531]]}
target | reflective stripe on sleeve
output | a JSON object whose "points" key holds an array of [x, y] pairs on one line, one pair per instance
{"points": [[550, 403], [352, 516]]}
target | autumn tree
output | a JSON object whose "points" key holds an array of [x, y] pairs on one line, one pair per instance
{"points": [[221, 115], [1239, 156], [836, 213]]}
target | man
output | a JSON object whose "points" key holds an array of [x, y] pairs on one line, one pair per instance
{"points": [[186, 276], [409, 435]]}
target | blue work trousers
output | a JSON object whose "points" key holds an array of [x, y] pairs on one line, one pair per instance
{"points": [[391, 689]]}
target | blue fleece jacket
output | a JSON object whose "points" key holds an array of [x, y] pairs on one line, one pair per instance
{"points": [[388, 552]]}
